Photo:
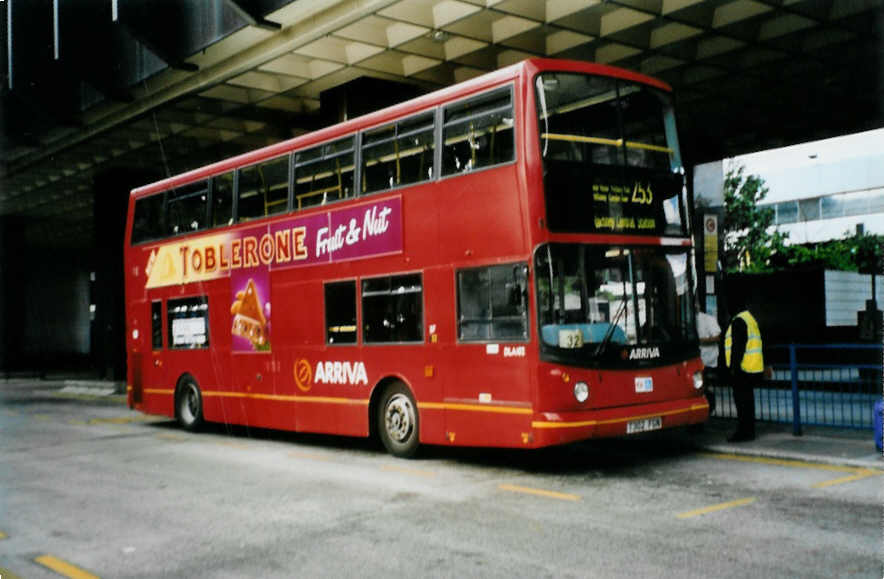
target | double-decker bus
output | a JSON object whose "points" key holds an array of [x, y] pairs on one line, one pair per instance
{"points": [[505, 262]]}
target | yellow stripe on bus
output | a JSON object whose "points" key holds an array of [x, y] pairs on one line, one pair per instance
{"points": [[473, 407], [286, 398]]}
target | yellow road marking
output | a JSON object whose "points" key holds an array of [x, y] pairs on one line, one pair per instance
{"points": [[42, 416], [858, 472], [779, 462], [539, 492], [64, 568], [175, 437], [412, 471], [714, 508], [310, 456], [117, 420], [3, 535], [7, 574], [232, 443]]}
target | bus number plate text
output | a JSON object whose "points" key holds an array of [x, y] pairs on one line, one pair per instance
{"points": [[644, 425]]}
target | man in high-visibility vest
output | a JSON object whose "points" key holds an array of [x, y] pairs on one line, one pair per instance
{"points": [[744, 359]]}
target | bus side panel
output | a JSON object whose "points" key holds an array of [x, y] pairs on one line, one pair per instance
{"points": [[319, 402], [437, 372], [488, 222], [215, 375], [489, 402]]}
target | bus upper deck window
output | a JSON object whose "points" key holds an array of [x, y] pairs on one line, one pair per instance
{"points": [[149, 219], [478, 132], [324, 173], [187, 208]]}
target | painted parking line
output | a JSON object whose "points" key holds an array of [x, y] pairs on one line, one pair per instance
{"points": [[716, 508], [232, 444], [539, 492], [860, 474], [409, 471], [310, 456], [64, 568], [172, 437], [857, 473]]}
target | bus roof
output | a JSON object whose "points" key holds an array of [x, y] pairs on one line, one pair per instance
{"points": [[529, 66]]}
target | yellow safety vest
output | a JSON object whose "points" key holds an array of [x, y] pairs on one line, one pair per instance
{"points": [[753, 359]]}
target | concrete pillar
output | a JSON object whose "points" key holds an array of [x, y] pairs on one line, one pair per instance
{"points": [[111, 190]]}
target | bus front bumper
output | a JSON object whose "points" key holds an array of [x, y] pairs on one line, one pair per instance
{"points": [[551, 428]]}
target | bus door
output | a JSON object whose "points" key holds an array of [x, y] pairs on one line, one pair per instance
{"points": [[491, 397], [152, 360]]}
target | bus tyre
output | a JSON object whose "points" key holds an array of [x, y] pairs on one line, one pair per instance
{"points": [[189, 404], [398, 421]]}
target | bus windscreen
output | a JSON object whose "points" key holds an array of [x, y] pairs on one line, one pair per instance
{"points": [[613, 306]]}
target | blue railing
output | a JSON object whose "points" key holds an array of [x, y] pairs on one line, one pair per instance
{"points": [[815, 385]]}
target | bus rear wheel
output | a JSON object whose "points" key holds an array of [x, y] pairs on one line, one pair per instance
{"points": [[398, 421], [189, 404]]}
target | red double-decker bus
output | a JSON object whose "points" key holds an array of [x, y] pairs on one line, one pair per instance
{"points": [[505, 262]]}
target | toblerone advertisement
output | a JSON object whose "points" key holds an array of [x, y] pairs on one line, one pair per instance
{"points": [[247, 256]]}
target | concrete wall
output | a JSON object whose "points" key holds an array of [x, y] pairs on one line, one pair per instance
{"points": [[44, 304]]}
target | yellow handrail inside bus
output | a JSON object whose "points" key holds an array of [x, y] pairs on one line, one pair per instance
{"points": [[472, 134], [303, 196], [604, 141]]}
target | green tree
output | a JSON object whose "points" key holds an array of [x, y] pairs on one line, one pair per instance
{"points": [[749, 246], [855, 253]]}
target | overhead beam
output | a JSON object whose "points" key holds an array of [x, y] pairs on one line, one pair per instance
{"points": [[252, 18], [170, 59], [329, 15]]}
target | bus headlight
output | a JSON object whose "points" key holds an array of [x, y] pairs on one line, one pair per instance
{"points": [[698, 380], [581, 391]]}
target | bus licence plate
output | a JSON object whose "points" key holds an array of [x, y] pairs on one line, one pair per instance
{"points": [[644, 425]]}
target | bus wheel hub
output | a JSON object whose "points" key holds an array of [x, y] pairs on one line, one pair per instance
{"points": [[399, 417]]}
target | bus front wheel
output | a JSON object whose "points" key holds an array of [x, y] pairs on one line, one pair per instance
{"points": [[398, 421], [189, 404]]}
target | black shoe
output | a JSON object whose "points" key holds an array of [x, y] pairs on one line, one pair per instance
{"points": [[740, 437]]}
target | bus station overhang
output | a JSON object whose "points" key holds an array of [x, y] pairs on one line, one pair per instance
{"points": [[159, 88]]}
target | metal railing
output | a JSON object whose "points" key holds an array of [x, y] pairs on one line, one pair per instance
{"points": [[815, 385]]}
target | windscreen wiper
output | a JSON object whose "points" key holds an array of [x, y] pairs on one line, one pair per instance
{"points": [[610, 332]]}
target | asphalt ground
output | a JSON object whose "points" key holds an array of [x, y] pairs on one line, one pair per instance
{"points": [[91, 489]]}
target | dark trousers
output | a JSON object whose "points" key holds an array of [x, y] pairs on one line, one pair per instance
{"points": [[744, 399]]}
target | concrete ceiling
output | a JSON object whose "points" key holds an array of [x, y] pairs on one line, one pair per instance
{"points": [[749, 75]]}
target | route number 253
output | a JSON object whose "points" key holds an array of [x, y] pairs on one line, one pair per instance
{"points": [[642, 194]]}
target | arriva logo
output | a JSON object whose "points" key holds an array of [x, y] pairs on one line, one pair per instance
{"points": [[340, 373], [303, 375], [328, 373], [644, 353]]}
